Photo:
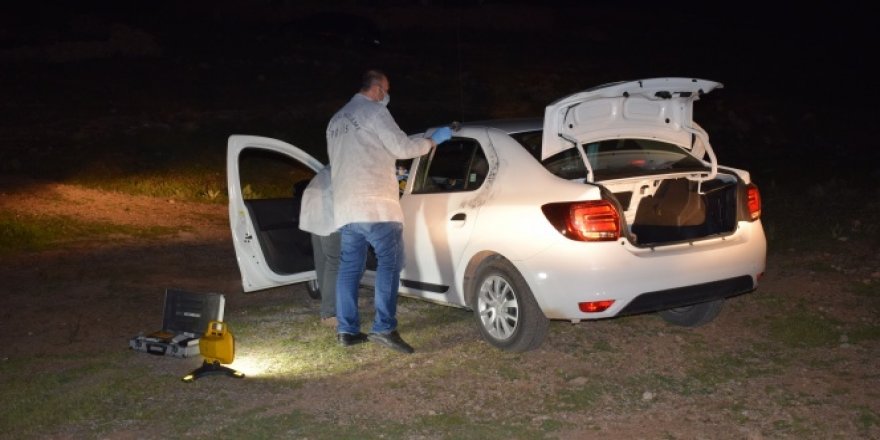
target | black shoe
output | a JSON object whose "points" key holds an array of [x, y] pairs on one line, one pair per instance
{"points": [[391, 340], [348, 339]]}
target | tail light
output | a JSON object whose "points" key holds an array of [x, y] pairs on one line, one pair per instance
{"points": [[596, 220], [753, 200], [595, 306]]}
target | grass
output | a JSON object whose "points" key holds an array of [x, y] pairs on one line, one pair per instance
{"points": [[99, 395], [869, 290], [26, 232], [199, 184], [804, 328], [181, 164], [868, 332], [457, 385], [56, 391], [173, 170], [867, 418], [199, 177], [582, 398], [705, 374]]}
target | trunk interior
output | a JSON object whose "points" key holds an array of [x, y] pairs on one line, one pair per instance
{"points": [[663, 211]]}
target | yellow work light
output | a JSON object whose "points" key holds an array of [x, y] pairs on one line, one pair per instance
{"points": [[217, 346]]}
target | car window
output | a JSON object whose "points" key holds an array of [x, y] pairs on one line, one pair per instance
{"points": [[613, 158], [619, 158], [531, 141], [455, 165], [402, 167], [265, 174], [567, 165]]}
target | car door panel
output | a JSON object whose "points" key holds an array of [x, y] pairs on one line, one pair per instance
{"points": [[265, 178], [440, 213], [286, 248]]}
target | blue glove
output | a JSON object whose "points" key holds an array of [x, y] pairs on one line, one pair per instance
{"points": [[441, 135]]}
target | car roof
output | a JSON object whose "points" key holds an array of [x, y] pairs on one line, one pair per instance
{"points": [[509, 126]]}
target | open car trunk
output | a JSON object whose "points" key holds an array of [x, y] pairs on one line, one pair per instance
{"points": [[673, 210]]}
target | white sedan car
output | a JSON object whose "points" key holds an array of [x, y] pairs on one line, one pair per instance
{"points": [[613, 204]]}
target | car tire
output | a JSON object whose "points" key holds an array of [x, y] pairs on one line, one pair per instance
{"points": [[313, 289], [693, 316], [505, 311]]}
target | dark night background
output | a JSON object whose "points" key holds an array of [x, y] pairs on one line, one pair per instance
{"points": [[117, 87]]}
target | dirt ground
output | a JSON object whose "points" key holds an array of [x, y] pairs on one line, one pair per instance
{"points": [[90, 297]]}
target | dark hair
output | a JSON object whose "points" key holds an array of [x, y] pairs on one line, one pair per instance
{"points": [[370, 78]]}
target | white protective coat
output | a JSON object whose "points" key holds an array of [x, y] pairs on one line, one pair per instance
{"points": [[363, 143], [316, 214]]}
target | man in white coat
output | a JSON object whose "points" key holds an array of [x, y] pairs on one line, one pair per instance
{"points": [[363, 143]]}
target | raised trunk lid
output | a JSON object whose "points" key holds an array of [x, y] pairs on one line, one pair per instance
{"points": [[657, 108]]}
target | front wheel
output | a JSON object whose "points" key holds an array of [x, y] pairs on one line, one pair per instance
{"points": [[506, 313], [693, 316]]}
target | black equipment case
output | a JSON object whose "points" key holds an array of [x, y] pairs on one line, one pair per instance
{"points": [[186, 317]]}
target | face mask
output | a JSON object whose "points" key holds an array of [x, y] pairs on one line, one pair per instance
{"points": [[385, 100]]}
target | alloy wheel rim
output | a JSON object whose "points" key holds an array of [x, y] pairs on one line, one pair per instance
{"points": [[498, 307]]}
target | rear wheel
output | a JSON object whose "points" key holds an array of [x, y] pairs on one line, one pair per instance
{"points": [[693, 316], [505, 311]]}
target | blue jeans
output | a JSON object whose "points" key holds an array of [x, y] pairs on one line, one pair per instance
{"points": [[387, 241]]}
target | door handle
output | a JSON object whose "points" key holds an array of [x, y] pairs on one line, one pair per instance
{"points": [[458, 217]]}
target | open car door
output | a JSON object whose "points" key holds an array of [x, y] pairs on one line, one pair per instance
{"points": [[266, 178]]}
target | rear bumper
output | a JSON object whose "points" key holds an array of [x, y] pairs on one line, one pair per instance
{"points": [[688, 295], [642, 280]]}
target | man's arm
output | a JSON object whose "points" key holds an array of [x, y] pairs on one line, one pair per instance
{"points": [[396, 141]]}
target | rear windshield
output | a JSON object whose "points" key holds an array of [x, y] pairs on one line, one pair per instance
{"points": [[614, 158]]}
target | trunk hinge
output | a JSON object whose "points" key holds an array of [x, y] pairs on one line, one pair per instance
{"points": [[584, 157], [698, 133]]}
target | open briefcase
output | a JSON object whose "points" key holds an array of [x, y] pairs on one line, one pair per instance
{"points": [[186, 316]]}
